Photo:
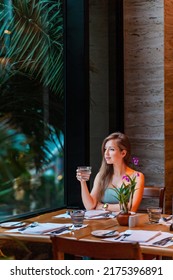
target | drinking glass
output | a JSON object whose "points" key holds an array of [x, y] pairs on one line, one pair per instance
{"points": [[85, 172], [154, 214], [77, 217]]}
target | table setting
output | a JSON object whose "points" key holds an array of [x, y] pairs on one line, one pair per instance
{"points": [[46, 228], [90, 214], [40, 229], [145, 237]]}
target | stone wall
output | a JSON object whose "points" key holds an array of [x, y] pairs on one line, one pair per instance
{"points": [[144, 84], [148, 84]]}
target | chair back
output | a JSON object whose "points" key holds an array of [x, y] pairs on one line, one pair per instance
{"points": [[152, 196], [95, 249]]}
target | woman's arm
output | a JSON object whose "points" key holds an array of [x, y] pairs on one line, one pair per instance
{"points": [[137, 198], [89, 199], [111, 207]]}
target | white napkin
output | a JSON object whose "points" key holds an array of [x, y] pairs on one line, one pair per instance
{"points": [[92, 214], [162, 222], [141, 235], [160, 237], [68, 230], [99, 214], [40, 228], [147, 243], [65, 215], [46, 228]]}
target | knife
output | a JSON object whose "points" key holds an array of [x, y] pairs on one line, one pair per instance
{"points": [[163, 241], [57, 231]]}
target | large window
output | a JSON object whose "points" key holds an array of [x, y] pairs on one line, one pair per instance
{"points": [[31, 106]]}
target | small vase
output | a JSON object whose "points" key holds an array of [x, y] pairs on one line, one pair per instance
{"points": [[123, 219]]}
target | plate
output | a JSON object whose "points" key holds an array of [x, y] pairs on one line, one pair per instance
{"points": [[12, 224], [105, 233]]}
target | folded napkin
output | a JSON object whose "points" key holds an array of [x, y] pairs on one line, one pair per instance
{"points": [[163, 235], [92, 214], [39, 228], [99, 214], [165, 223], [72, 228], [141, 235], [46, 228], [64, 215], [149, 240]]}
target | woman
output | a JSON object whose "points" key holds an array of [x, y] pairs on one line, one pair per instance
{"points": [[116, 156]]}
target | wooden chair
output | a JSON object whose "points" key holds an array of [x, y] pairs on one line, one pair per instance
{"points": [[151, 195], [95, 249]]}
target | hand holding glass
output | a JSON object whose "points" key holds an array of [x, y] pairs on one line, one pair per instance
{"points": [[83, 173]]}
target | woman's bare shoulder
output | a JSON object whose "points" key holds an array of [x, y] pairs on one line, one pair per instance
{"points": [[138, 174]]}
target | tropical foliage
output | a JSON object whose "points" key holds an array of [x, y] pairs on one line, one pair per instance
{"points": [[31, 36], [31, 89], [125, 193]]}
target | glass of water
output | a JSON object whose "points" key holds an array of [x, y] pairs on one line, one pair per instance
{"points": [[154, 214], [77, 217], [85, 172]]}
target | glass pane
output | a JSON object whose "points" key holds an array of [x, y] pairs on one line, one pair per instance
{"points": [[31, 106]]}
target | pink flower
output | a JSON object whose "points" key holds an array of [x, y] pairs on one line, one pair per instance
{"points": [[135, 160]]}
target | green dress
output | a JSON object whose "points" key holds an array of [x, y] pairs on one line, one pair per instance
{"points": [[109, 196]]}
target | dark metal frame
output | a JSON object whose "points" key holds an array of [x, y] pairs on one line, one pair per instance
{"points": [[77, 96], [77, 104]]}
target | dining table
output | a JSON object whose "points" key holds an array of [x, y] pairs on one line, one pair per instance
{"points": [[90, 225]]}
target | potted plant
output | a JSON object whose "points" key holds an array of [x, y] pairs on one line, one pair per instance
{"points": [[125, 195]]}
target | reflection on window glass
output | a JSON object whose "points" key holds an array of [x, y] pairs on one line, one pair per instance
{"points": [[31, 107]]}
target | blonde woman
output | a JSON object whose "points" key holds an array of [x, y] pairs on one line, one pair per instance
{"points": [[116, 153]]}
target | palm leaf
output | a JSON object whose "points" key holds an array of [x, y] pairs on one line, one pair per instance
{"points": [[33, 53], [35, 40]]}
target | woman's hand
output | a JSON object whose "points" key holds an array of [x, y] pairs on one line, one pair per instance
{"points": [[83, 175], [99, 206]]}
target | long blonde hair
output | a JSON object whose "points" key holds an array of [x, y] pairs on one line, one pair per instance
{"points": [[106, 170]]}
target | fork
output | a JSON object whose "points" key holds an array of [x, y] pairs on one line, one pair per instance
{"points": [[122, 237]]}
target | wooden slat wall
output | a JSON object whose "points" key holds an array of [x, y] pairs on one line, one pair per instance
{"points": [[168, 31]]}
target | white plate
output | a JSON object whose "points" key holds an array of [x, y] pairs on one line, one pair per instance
{"points": [[12, 224], [104, 233]]}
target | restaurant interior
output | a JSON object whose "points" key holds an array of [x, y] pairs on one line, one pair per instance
{"points": [[71, 73]]}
